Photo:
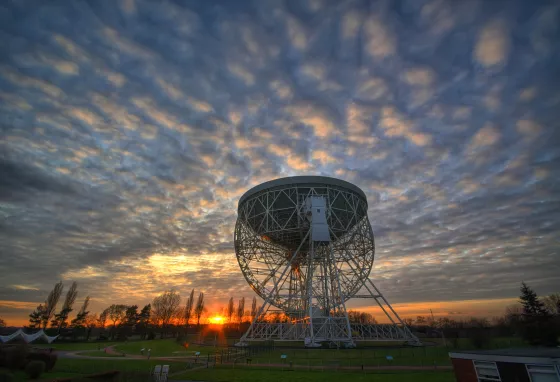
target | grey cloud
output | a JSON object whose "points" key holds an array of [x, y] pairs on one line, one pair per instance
{"points": [[128, 133]]}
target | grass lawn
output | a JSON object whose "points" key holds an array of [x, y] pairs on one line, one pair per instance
{"points": [[255, 375], [165, 348], [73, 346], [71, 367], [98, 353], [357, 357], [88, 366]]}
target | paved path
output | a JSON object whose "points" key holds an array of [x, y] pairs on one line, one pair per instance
{"points": [[110, 350], [82, 354], [330, 367]]}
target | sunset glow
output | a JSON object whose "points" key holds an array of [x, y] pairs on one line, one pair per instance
{"points": [[217, 320]]}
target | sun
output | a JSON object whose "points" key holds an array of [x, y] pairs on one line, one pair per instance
{"points": [[217, 320]]}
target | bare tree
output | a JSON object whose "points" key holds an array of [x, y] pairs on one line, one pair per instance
{"points": [[51, 303], [254, 309], [421, 320], [240, 309], [189, 308], [199, 308], [2, 323], [408, 321], [552, 303], [230, 310], [164, 306], [103, 318], [85, 304], [79, 321], [62, 316], [361, 317], [116, 313], [36, 317], [90, 322]]}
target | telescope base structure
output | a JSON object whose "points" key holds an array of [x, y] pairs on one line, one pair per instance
{"points": [[305, 246], [322, 329]]}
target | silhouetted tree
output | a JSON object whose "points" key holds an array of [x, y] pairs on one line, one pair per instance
{"points": [[229, 310], [513, 317], [538, 326], [116, 314], [189, 308], [50, 305], [143, 320], [361, 317], [254, 309], [240, 309], [552, 303], [60, 319], [408, 321], [2, 323], [103, 318], [131, 316], [79, 321], [532, 306], [199, 308], [36, 317], [164, 307], [90, 322]]}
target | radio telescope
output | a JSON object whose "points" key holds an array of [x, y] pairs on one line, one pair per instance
{"points": [[305, 246]]}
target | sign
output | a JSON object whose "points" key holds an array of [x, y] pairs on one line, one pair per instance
{"points": [[197, 353], [283, 356], [389, 357]]}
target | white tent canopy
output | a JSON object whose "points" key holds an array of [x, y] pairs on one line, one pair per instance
{"points": [[28, 338]]}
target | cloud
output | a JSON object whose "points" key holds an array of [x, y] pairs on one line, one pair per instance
{"points": [[492, 44], [487, 136], [316, 117], [130, 131], [379, 40]]}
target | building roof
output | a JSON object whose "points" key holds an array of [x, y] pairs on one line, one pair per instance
{"points": [[303, 181], [520, 355], [28, 338]]}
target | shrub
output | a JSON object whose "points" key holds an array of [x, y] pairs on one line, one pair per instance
{"points": [[14, 357], [480, 338], [5, 376], [181, 338], [34, 369], [151, 336], [48, 358]]}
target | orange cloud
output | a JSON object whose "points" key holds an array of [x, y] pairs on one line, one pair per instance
{"points": [[380, 42], [452, 309], [492, 45]]}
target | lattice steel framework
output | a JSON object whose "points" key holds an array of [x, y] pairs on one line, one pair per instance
{"points": [[310, 280]]}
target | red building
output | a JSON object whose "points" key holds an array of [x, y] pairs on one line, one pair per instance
{"points": [[507, 365]]}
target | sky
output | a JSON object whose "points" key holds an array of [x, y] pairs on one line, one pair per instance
{"points": [[129, 130]]}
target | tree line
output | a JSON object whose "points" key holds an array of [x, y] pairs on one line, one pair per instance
{"points": [[537, 319], [164, 311]]}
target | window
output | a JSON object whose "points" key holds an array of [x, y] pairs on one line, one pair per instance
{"points": [[487, 371], [542, 373]]}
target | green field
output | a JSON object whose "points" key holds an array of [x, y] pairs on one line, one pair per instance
{"points": [[266, 364], [98, 353], [67, 367], [73, 346], [255, 375], [164, 348], [355, 357]]}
